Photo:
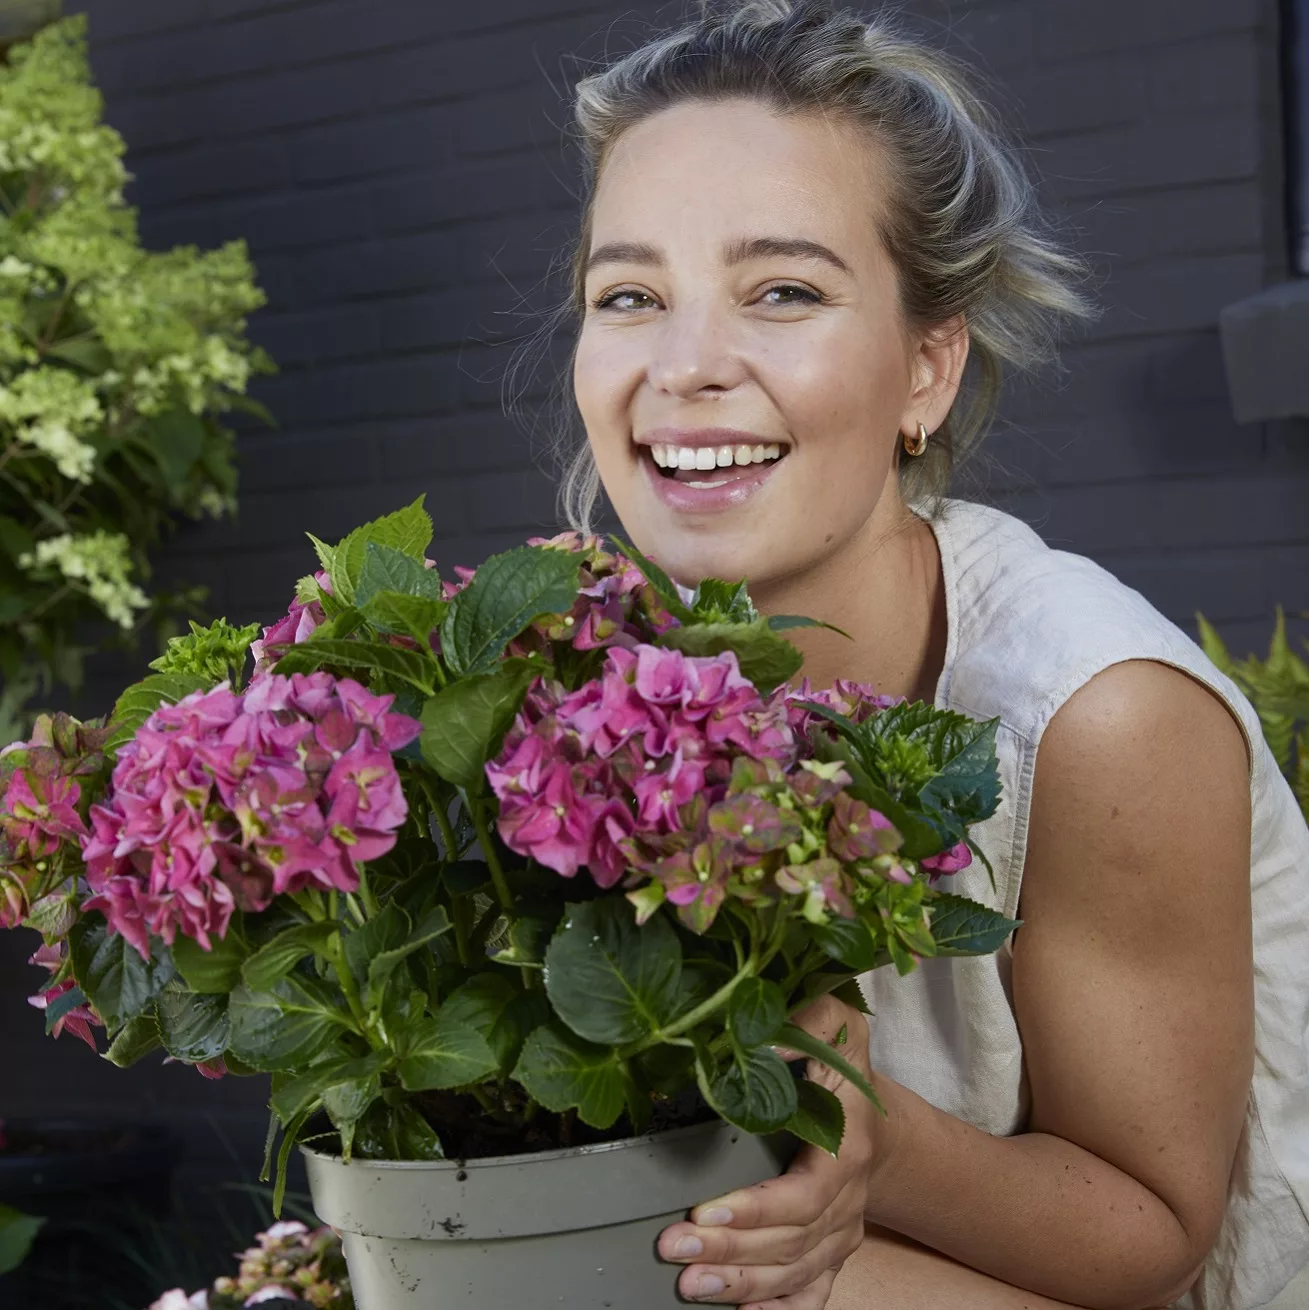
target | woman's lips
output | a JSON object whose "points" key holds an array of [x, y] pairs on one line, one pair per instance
{"points": [[722, 488]]}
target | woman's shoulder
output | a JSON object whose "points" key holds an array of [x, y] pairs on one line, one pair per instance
{"points": [[1031, 624]]}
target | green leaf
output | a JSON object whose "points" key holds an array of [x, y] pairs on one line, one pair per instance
{"points": [[395, 1130], [765, 658], [387, 569], [17, 1233], [176, 438], [384, 931], [852, 942], [819, 1117], [445, 1053], [465, 723], [609, 980], [293, 1098], [135, 1040], [380, 968], [346, 1103], [285, 1026], [807, 1044], [502, 1012], [716, 601], [408, 531], [192, 1027], [274, 960], [391, 661], [415, 616], [141, 700], [119, 983], [964, 927], [61, 1006], [84, 353], [215, 971], [756, 1092], [15, 538], [562, 1073], [1214, 646], [968, 781], [755, 1012], [785, 622], [664, 587], [508, 592]]}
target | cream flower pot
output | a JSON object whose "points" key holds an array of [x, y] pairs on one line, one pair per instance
{"points": [[572, 1228]]}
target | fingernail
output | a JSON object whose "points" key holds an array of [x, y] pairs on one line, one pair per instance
{"points": [[718, 1217], [687, 1246], [709, 1285]]}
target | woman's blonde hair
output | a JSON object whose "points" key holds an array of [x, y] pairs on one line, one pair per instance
{"points": [[961, 224]]}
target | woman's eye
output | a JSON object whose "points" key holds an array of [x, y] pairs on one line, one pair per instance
{"points": [[612, 297], [800, 294]]}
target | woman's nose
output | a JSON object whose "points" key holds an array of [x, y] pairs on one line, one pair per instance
{"points": [[694, 350]]}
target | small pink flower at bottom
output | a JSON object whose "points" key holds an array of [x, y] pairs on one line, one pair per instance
{"points": [[77, 1021]]}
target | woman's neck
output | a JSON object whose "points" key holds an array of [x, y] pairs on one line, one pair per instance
{"points": [[884, 587]]}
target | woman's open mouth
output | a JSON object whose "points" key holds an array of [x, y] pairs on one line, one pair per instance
{"points": [[700, 478]]}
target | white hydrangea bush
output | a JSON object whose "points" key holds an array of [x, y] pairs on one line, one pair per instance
{"points": [[117, 367]]}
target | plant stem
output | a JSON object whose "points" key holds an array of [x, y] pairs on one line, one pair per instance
{"points": [[502, 893], [459, 906], [366, 894], [662, 1036], [349, 988]]}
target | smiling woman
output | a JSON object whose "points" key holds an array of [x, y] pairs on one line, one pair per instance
{"points": [[807, 256]]}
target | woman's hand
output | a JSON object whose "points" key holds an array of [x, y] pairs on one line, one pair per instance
{"points": [[779, 1245]]}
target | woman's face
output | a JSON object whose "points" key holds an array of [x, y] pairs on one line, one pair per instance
{"points": [[743, 326]]}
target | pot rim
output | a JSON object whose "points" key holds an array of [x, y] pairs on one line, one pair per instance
{"points": [[524, 1158]]}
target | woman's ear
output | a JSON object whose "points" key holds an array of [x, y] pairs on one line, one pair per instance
{"points": [[938, 366]]}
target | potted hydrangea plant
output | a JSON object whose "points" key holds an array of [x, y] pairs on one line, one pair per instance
{"points": [[512, 882]]}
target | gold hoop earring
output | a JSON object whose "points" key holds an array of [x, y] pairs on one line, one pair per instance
{"points": [[916, 445]]}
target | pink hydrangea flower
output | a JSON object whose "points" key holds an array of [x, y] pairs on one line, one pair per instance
{"points": [[300, 621], [580, 772], [959, 856], [82, 1018], [855, 700], [224, 801], [38, 812]]}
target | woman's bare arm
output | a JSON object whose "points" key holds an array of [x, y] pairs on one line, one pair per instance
{"points": [[1133, 989]]}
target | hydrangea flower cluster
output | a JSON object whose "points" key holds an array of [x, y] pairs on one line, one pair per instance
{"points": [[581, 771], [289, 1262], [615, 604], [224, 801], [98, 563], [673, 771], [41, 808], [298, 624]]}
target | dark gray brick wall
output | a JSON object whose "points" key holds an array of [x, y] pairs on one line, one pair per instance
{"points": [[395, 167]]}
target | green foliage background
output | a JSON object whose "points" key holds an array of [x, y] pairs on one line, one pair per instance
{"points": [[116, 366], [1278, 688]]}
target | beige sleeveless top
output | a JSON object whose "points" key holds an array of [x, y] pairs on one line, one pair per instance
{"points": [[1028, 626]]}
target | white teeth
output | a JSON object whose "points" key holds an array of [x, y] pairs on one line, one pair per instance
{"points": [[709, 457]]}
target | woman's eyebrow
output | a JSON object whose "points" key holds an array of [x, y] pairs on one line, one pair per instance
{"points": [[739, 251]]}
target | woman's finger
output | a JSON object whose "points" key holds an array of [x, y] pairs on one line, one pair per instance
{"points": [[737, 1284], [814, 1297], [773, 1244], [814, 1180]]}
